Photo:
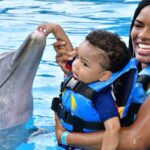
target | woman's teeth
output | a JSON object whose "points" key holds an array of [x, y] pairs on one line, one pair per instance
{"points": [[144, 46]]}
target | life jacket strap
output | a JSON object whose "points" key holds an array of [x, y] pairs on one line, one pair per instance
{"points": [[78, 87], [77, 123], [144, 80], [134, 106], [85, 90], [123, 87], [133, 110]]}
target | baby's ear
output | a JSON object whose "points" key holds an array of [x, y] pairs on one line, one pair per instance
{"points": [[105, 75]]}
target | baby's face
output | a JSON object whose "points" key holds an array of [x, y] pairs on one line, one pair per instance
{"points": [[88, 65]]}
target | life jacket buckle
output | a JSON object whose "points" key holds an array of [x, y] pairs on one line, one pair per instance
{"points": [[72, 83], [69, 83]]}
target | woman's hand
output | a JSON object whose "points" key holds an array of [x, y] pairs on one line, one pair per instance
{"points": [[63, 55]]}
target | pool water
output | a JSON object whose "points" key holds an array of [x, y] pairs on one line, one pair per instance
{"points": [[78, 17]]}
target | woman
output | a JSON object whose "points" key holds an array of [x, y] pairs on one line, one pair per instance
{"points": [[137, 136]]}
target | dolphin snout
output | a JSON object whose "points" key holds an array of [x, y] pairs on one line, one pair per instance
{"points": [[38, 33]]}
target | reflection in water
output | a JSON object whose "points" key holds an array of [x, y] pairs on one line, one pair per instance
{"points": [[11, 138], [19, 18]]}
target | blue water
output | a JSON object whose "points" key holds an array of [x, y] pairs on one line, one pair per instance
{"points": [[78, 17]]}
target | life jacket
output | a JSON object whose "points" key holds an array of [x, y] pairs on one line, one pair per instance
{"points": [[141, 85], [75, 106], [139, 95]]}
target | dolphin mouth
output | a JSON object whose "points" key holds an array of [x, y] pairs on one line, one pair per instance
{"points": [[37, 33]]}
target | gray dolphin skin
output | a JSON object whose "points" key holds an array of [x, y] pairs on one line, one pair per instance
{"points": [[17, 72]]}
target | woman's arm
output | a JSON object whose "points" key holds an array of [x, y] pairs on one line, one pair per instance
{"points": [[85, 140], [111, 134], [137, 136], [60, 35], [58, 32]]}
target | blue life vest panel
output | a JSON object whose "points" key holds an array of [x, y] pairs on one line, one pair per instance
{"points": [[139, 95]]}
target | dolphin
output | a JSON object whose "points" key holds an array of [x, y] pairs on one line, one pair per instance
{"points": [[17, 72]]}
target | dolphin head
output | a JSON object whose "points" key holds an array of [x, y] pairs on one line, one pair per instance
{"points": [[17, 72]]}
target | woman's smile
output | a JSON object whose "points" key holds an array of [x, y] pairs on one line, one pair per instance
{"points": [[143, 49]]}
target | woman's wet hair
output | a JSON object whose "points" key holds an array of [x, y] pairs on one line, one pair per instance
{"points": [[140, 6], [116, 51]]}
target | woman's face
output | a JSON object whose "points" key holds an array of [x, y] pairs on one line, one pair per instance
{"points": [[140, 35]]}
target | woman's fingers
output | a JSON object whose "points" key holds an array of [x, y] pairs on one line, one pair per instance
{"points": [[63, 58], [72, 53], [58, 45], [43, 29], [63, 55]]}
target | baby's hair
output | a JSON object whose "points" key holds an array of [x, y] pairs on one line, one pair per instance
{"points": [[116, 50]]}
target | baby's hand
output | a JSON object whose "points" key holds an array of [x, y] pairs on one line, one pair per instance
{"points": [[44, 28]]}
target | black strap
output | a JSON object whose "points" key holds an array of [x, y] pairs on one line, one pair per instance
{"points": [[78, 87], [77, 123], [55, 103], [144, 80], [133, 110], [122, 87], [85, 90]]}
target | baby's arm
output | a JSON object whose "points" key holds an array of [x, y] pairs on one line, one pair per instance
{"points": [[111, 135]]}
